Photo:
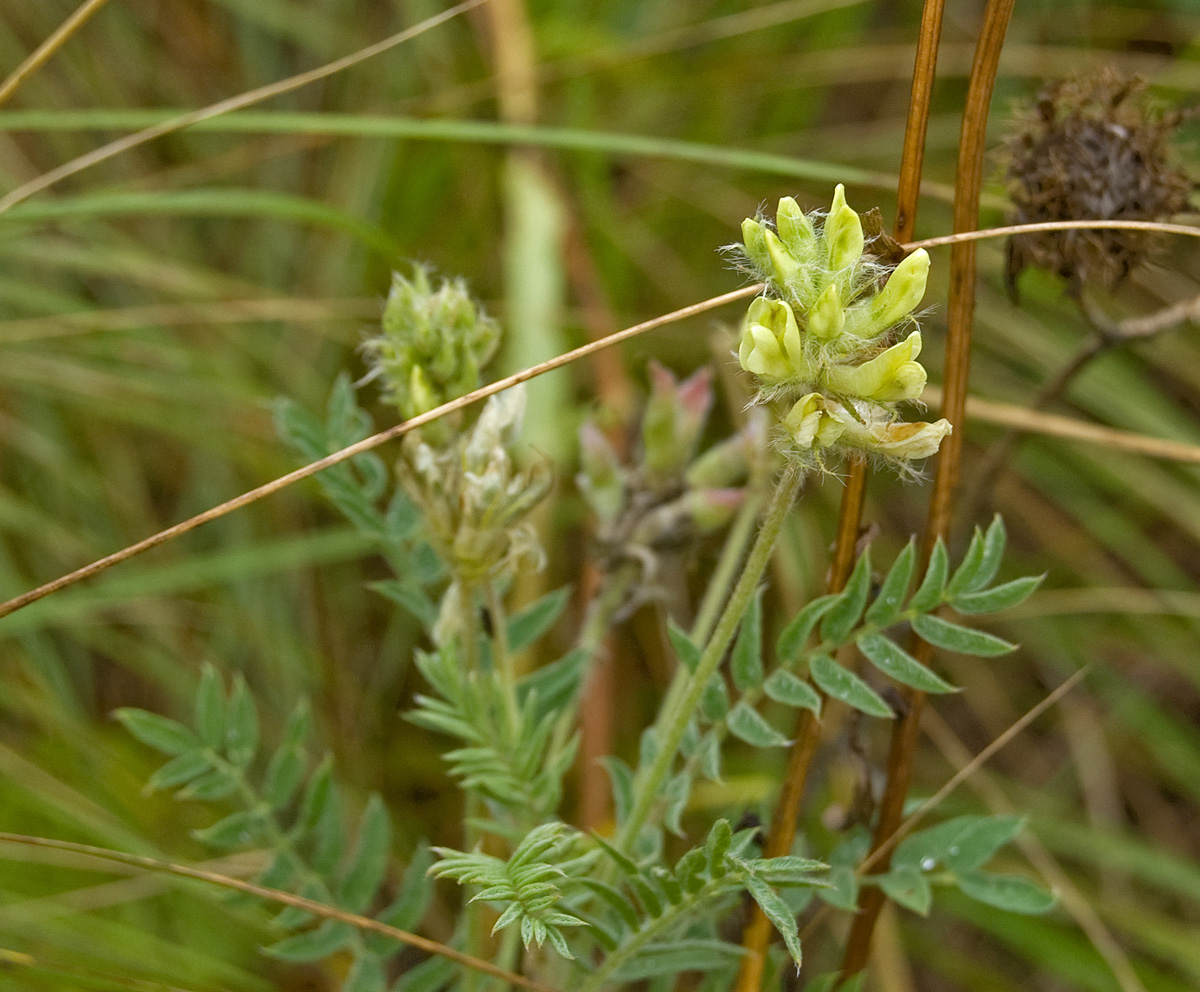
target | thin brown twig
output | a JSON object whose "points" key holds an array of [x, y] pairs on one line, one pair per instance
{"points": [[144, 863], [45, 51], [785, 817], [960, 317], [114, 148], [398, 430]]}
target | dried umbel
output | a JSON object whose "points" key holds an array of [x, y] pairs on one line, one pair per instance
{"points": [[1091, 148], [826, 332]]}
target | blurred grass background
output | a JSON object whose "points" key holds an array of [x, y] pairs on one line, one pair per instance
{"points": [[153, 307]]}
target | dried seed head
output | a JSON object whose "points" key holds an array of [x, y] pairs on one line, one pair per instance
{"points": [[1092, 148]]}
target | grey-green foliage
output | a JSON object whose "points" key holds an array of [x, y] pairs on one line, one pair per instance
{"points": [[525, 884], [292, 809], [509, 758], [358, 488]]}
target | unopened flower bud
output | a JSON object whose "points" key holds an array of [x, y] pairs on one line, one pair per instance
{"points": [[796, 230], [712, 509], [902, 292], [843, 233], [599, 478], [785, 268], [890, 376], [671, 425], [754, 237], [724, 463], [827, 317]]}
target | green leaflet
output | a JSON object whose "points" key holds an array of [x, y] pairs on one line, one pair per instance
{"points": [[842, 684], [951, 637], [894, 661]]}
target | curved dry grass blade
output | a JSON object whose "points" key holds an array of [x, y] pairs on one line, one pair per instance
{"points": [[1028, 421], [398, 430], [286, 898], [114, 148], [45, 51], [1056, 225]]}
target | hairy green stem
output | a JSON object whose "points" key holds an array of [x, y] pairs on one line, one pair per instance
{"points": [[502, 659], [672, 724], [736, 543]]}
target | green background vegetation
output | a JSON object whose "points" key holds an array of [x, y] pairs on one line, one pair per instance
{"points": [[152, 308]]}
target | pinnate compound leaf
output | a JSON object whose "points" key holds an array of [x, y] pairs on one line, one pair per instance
{"points": [[778, 912], [888, 603], [313, 945], [179, 770], [746, 664], [795, 635], [241, 727], [747, 724], [1001, 597], [527, 625], [209, 708], [933, 585], [791, 690], [908, 887], [159, 732], [1011, 892], [842, 684], [686, 650], [964, 640], [844, 614], [370, 858], [891, 659]]}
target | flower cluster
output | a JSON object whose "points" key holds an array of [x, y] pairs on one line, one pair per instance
{"points": [[432, 343], [475, 502], [827, 330], [669, 493]]}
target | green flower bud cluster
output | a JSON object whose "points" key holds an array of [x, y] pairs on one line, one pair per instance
{"points": [[474, 500], [431, 345], [670, 492], [828, 330]]}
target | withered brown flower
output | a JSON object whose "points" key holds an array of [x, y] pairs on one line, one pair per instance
{"points": [[1093, 147]]}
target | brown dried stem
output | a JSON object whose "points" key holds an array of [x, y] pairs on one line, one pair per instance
{"points": [[45, 51], [960, 314], [782, 831]]}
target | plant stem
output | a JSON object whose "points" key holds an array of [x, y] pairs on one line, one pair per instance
{"points": [[960, 317], [723, 575], [502, 659], [672, 724]]}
